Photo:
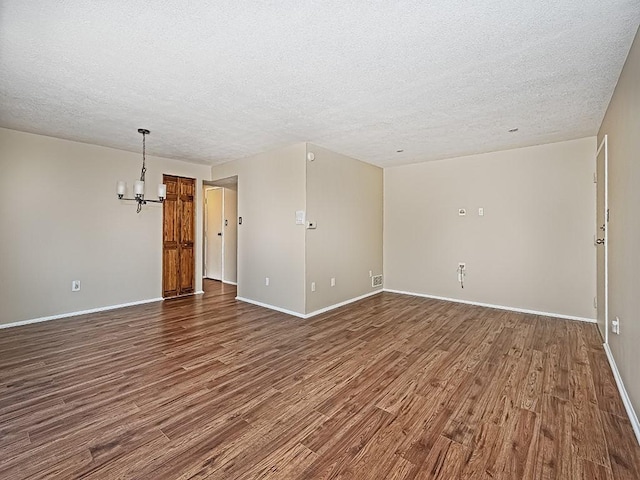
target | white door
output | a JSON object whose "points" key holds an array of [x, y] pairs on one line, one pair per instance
{"points": [[213, 234], [601, 239]]}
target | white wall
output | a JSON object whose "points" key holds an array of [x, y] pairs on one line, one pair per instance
{"points": [[532, 249], [61, 221], [344, 198], [271, 187], [622, 125]]}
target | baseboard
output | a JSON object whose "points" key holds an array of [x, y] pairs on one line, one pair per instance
{"points": [[499, 307], [270, 307], [342, 304], [312, 314], [199, 292], [633, 418], [81, 312], [218, 280]]}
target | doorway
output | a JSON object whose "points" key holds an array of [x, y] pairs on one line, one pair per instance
{"points": [[601, 238], [213, 227], [220, 243]]}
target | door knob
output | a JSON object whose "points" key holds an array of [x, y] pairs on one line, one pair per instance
{"points": [[219, 234]]}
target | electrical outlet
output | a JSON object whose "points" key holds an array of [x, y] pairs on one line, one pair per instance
{"points": [[266, 281], [615, 326], [462, 271], [370, 274], [313, 286], [75, 285], [333, 281]]}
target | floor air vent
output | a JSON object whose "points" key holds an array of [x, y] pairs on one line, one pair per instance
{"points": [[376, 281]]}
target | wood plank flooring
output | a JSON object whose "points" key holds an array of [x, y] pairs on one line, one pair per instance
{"points": [[391, 387]]}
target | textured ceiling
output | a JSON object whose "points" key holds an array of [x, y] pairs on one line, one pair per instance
{"points": [[216, 81]]}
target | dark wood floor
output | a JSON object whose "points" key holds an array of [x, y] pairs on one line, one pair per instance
{"points": [[392, 387]]}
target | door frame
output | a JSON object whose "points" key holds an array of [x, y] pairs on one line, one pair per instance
{"points": [[604, 184], [206, 231], [227, 184]]}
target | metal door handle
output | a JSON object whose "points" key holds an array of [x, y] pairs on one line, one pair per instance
{"points": [[219, 234], [600, 241]]}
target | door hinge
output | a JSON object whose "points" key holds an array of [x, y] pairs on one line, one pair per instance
{"points": [[595, 177], [607, 214], [595, 302]]}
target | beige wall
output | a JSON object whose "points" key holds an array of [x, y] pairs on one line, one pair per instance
{"points": [[61, 221], [532, 249], [622, 125], [230, 235], [344, 198], [271, 187]]}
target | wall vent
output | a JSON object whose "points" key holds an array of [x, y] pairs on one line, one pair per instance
{"points": [[376, 281]]}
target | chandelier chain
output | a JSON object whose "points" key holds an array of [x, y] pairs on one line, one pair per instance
{"points": [[144, 156]]}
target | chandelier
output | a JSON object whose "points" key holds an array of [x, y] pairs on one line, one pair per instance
{"points": [[138, 185]]}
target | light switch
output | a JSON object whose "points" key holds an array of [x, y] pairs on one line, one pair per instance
{"points": [[299, 217], [481, 212]]}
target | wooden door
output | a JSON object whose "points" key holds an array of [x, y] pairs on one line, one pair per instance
{"points": [[178, 258]]}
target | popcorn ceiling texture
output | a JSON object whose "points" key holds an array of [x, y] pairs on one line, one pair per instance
{"points": [[217, 81]]}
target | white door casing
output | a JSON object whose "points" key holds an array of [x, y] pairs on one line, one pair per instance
{"points": [[601, 238]]}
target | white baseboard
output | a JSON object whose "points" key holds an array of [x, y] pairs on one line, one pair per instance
{"points": [[81, 312], [312, 314], [219, 280], [633, 418], [489, 305], [270, 307], [342, 304]]}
